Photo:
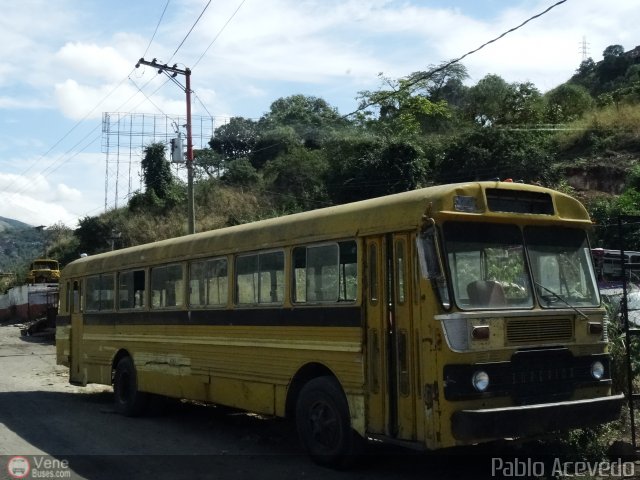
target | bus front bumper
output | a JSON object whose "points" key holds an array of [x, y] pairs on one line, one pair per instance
{"points": [[528, 420]]}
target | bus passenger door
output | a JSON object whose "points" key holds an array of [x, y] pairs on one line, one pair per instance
{"points": [[390, 353], [401, 338], [377, 313], [75, 365]]}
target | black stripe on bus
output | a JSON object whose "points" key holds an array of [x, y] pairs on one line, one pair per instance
{"points": [[262, 317]]}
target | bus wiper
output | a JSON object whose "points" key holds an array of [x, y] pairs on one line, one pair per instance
{"points": [[559, 297]]}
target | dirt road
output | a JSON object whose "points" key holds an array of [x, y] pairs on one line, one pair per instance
{"points": [[75, 432]]}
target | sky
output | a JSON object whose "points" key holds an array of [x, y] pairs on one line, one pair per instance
{"points": [[64, 64]]}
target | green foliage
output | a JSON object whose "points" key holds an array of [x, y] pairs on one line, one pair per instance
{"points": [[486, 100], [240, 172], [617, 347], [615, 71], [298, 179], [162, 192], [93, 234], [279, 140], [605, 212], [64, 243], [486, 153], [235, 139], [523, 105], [403, 112], [366, 166], [312, 118], [156, 170], [208, 163], [566, 103]]}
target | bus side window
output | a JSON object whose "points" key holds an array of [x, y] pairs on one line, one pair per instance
{"points": [[316, 273], [131, 289], [260, 278], [325, 273], [348, 271], [76, 306], [99, 293], [208, 284], [167, 286]]}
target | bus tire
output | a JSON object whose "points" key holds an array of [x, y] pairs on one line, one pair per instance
{"points": [[324, 424], [129, 401]]}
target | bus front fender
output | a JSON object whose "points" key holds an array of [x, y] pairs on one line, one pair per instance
{"points": [[525, 420]]}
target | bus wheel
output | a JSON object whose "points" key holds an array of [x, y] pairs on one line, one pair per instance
{"points": [[129, 401], [324, 424]]}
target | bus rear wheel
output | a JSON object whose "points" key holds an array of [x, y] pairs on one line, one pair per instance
{"points": [[324, 424], [129, 401]]}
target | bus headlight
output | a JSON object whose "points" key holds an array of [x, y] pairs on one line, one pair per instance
{"points": [[597, 370], [480, 380]]}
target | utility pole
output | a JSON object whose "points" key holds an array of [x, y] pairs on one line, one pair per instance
{"points": [[187, 89]]}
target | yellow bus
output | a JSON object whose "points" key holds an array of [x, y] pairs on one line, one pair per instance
{"points": [[44, 270], [444, 316]]}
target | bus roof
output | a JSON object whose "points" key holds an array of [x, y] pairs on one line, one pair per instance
{"points": [[398, 212]]}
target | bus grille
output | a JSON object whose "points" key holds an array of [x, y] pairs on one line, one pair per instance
{"points": [[540, 376], [536, 330]]}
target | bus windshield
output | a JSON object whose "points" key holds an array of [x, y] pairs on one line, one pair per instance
{"points": [[488, 266], [561, 266]]}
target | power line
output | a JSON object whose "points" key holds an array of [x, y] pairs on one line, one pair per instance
{"points": [[157, 26], [429, 74], [218, 34], [51, 167], [190, 30]]}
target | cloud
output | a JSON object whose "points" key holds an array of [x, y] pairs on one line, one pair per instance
{"points": [[60, 64], [31, 199], [67, 194], [79, 101], [93, 61]]}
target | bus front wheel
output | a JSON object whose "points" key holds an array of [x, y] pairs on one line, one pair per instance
{"points": [[129, 401], [324, 423]]}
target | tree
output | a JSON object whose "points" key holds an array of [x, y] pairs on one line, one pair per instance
{"points": [[235, 139], [156, 171], [613, 66], [161, 190], [280, 140], [208, 162], [400, 112], [93, 235], [367, 166], [298, 179], [434, 82], [486, 100], [566, 103], [488, 153], [240, 172], [312, 118], [523, 104], [585, 76]]}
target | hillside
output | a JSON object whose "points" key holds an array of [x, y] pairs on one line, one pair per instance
{"points": [[9, 224], [427, 128], [20, 243]]}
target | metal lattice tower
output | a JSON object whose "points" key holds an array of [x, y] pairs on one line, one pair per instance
{"points": [[584, 48], [124, 137]]}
